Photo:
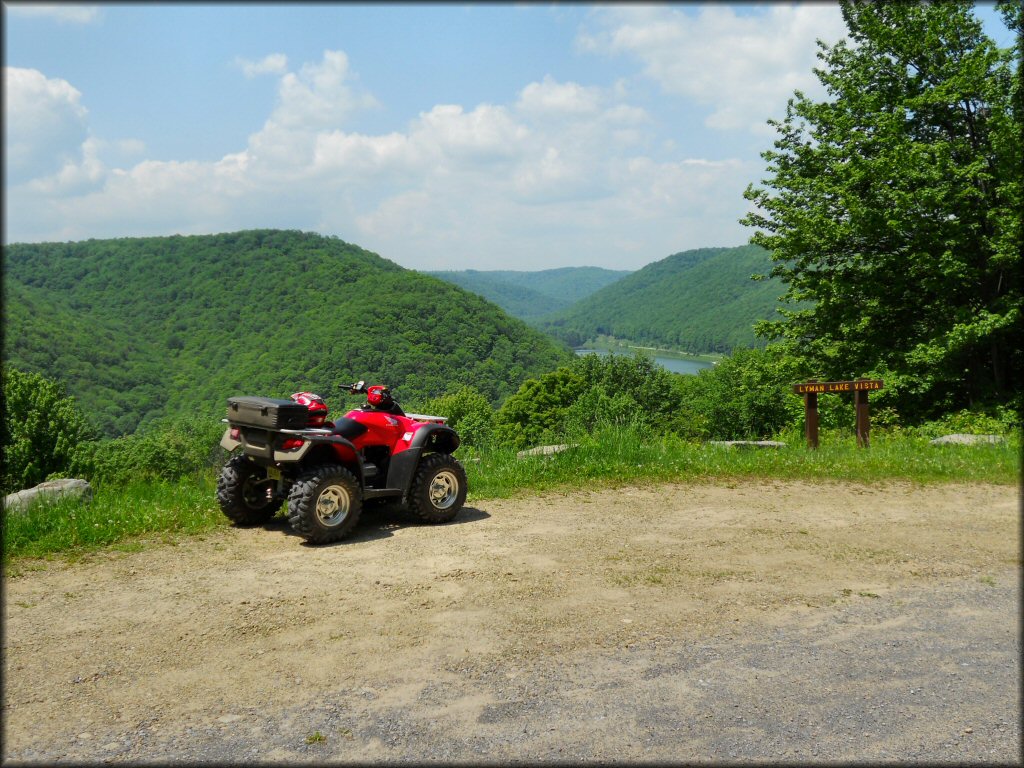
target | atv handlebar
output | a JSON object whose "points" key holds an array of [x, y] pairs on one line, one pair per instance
{"points": [[355, 389]]}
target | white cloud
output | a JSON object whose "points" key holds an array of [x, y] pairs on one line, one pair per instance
{"points": [[62, 13], [46, 124], [76, 176], [487, 134], [560, 175], [743, 67], [559, 99], [272, 64], [319, 95], [358, 155]]}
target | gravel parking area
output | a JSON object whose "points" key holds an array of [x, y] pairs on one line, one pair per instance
{"points": [[782, 622]]}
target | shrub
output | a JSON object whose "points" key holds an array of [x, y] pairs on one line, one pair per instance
{"points": [[596, 410], [593, 390], [42, 429], [999, 420], [537, 411], [747, 395], [468, 413], [168, 449]]}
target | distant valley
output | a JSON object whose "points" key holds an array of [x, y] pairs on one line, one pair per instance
{"points": [[534, 295], [138, 329], [700, 301]]}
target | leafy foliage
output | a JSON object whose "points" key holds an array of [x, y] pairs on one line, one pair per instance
{"points": [[468, 412], [142, 328], [591, 391], [892, 210], [669, 303], [42, 429], [747, 396], [532, 295], [170, 449]]}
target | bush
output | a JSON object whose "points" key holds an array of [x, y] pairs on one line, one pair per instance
{"points": [[537, 411], [995, 421], [468, 413], [42, 429], [596, 410], [591, 391], [168, 449], [747, 396]]}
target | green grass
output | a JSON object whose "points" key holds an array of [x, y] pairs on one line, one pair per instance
{"points": [[115, 518], [617, 458], [128, 518]]}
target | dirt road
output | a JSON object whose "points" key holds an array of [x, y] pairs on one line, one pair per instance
{"points": [[675, 623]]}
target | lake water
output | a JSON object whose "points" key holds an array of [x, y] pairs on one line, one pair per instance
{"points": [[675, 364]]}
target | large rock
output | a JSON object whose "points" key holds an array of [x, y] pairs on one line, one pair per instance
{"points": [[50, 490], [749, 443], [543, 450], [960, 439]]}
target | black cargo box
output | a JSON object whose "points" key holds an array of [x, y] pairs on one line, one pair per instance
{"points": [[267, 412]]}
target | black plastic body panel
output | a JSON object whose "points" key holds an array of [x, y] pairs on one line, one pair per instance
{"points": [[350, 429], [402, 467], [432, 438], [437, 438]]}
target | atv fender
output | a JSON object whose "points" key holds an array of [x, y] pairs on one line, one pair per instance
{"points": [[328, 449], [227, 442], [430, 438], [319, 446]]}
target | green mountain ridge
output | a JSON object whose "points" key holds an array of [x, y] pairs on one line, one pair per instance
{"points": [[699, 301], [142, 328], [531, 296]]}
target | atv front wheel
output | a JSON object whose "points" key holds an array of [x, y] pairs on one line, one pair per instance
{"points": [[439, 489], [324, 504], [245, 494]]}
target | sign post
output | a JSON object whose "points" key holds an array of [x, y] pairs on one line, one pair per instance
{"points": [[811, 417], [860, 389], [860, 407]]}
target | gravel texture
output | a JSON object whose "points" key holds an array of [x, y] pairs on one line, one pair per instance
{"points": [[521, 634]]}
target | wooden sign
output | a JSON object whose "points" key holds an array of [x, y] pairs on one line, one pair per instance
{"points": [[827, 387], [860, 389]]}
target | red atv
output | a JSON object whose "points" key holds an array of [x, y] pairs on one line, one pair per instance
{"points": [[325, 470]]}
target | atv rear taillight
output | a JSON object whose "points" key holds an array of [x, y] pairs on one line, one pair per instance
{"points": [[236, 433], [292, 443]]}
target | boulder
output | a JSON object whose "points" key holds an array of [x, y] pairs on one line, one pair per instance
{"points": [[50, 490], [961, 439], [543, 450], [749, 443]]}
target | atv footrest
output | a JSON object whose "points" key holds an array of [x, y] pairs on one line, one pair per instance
{"points": [[380, 493]]}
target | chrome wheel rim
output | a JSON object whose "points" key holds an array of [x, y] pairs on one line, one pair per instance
{"points": [[332, 505], [444, 489]]}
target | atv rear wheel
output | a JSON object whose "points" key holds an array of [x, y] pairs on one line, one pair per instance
{"points": [[245, 494], [324, 503], [439, 488]]}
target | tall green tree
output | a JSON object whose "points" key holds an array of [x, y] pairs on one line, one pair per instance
{"points": [[893, 208], [41, 429]]}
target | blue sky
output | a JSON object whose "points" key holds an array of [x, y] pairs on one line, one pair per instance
{"points": [[441, 136]]}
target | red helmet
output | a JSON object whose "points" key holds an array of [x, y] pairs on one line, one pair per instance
{"points": [[316, 405], [379, 396]]}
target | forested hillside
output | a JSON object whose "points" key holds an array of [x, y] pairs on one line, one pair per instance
{"points": [[140, 328], [698, 301], [532, 295]]}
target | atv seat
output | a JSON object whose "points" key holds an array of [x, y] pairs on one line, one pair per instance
{"points": [[394, 409]]}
